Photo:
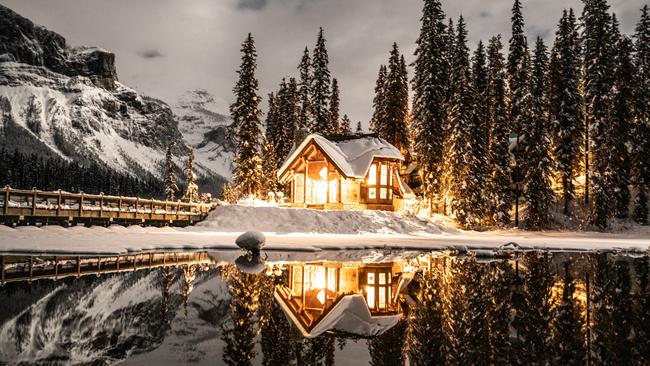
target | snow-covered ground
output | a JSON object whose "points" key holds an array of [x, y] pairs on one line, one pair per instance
{"points": [[305, 230]]}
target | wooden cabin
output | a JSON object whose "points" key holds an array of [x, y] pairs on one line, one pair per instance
{"points": [[345, 172], [352, 297]]}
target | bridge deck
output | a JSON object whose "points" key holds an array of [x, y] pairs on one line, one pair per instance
{"points": [[31, 206]]}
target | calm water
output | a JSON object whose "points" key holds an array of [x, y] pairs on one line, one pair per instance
{"points": [[362, 308]]}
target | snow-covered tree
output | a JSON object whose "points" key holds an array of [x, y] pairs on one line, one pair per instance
{"points": [[641, 347], [598, 70], [602, 300], [466, 185], [378, 104], [32, 114], [269, 169], [500, 293], [276, 338], [621, 121], [426, 336], [477, 343], [642, 117], [567, 338], [387, 349], [622, 334], [287, 111], [171, 188], [239, 333], [189, 275], [320, 91], [392, 126], [304, 90], [346, 125], [228, 193], [535, 328], [566, 105], [537, 181], [167, 277], [192, 189], [429, 108], [499, 156], [334, 108], [246, 123], [359, 128]]}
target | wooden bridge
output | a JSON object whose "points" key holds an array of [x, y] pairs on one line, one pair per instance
{"points": [[31, 268], [34, 206]]}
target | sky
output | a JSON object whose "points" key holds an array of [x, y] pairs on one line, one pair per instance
{"points": [[166, 47]]}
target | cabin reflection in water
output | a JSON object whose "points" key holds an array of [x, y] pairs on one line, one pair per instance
{"points": [[353, 297]]}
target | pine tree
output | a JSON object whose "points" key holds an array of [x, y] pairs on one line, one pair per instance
{"points": [[499, 155], [535, 334], [642, 117], [475, 277], [457, 315], [228, 193], [377, 123], [565, 104], [189, 275], [273, 122], [288, 109], [320, 92], [622, 317], [359, 128], [239, 333], [334, 108], [568, 339], [387, 349], [429, 108], [192, 189], [166, 280], [393, 126], [480, 131], [641, 348], [171, 188], [275, 329], [269, 169], [346, 127], [597, 58], [500, 294], [519, 82], [466, 186], [426, 333], [537, 181], [304, 90], [602, 299], [245, 114]]}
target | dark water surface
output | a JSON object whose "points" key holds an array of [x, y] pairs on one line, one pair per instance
{"points": [[511, 308]]}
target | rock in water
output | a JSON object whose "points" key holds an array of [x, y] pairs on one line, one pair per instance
{"points": [[251, 240], [250, 263]]}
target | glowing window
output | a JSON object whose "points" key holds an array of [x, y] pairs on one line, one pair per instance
{"points": [[382, 278], [370, 296], [371, 278], [331, 279], [383, 177], [372, 193], [323, 173], [372, 175], [382, 297], [383, 193]]}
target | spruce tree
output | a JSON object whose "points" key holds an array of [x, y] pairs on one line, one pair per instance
{"points": [[273, 117], [192, 189], [622, 318], [457, 315], [598, 62], [320, 91], [288, 111], [466, 185], [537, 181], [171, 188], [304, 90], [334, 108], [166, 281], [346, 127], [641, 347], [602, 299], [519, 82], [275, 329], [429, 108], [426, 333], [478, 303], [359, 128], [641, 143], [245, 114], [269, 169], [499, 155], [568, 338], [565, 105], [189, 275], [481, 130], [387, 349], [536, 333], [621, 121], [500, 294], [393, 127], [379, 115]]}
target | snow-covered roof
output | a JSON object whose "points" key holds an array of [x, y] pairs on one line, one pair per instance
{"points": [[352, 156], [350, 315]]}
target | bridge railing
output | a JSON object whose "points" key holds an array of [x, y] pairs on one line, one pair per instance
{"points": [[68, 206]]}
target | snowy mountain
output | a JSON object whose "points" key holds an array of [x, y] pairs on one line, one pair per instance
{"points": [[104, 320], [205, 128], [56, 100]]}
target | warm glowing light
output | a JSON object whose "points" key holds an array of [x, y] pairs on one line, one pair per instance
{"points": [[323, 173], [321, 296], [370, 296], [319, 278]]}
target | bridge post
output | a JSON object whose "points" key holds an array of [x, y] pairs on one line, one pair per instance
{"points": [[81, 204], [101, 204], [33, 201], [58, 204], [78, 266], [56, 268], [6, 208]]}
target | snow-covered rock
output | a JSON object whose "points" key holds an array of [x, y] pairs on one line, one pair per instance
{"points": [[251, 241]]}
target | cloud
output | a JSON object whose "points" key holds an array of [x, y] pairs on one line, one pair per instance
{"points": [[252, 4], [151, 53]]}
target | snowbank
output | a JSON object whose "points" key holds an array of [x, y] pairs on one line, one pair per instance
{"points": [[237, 218]]}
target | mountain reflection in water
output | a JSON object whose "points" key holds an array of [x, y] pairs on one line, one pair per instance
{"points": [[520, 308]]}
